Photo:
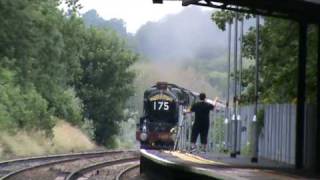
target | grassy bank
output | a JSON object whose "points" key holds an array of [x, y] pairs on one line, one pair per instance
{"points": [[66, 138]]}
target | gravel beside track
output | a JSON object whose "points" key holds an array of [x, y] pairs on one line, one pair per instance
{"points": [[9, 166], [130, 173], [104, 170]]}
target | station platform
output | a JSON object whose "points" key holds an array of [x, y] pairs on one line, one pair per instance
{"points": [[222, 166]]}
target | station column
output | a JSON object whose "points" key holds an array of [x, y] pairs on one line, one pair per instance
{"points": [[318, 105], [303, 27]]}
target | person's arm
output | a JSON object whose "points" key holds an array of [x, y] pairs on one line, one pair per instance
{"points": [[190, 110], [214, 103]]}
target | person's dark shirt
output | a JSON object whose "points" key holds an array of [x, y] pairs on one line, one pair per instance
{"points": [[202, 110]]}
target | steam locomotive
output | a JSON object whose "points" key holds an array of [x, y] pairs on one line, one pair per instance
{"points": [[162, 106]]}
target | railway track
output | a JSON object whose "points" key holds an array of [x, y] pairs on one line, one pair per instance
{"points": [[57, 166], [103, 170], [10, 166], [129, 173]]}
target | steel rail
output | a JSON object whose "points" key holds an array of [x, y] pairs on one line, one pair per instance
{"points": [[49, 157], [15, 173], [70, 158], [122, 173], [80, 172]]}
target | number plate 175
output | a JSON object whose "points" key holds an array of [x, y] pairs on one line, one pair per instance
{"points": [[161, 105]]}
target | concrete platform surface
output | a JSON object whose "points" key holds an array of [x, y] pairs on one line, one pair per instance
{"points": [[222, 166]]}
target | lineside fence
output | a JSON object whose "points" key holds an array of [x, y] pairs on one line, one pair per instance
{"points": [[276, 126], [215, 135]]}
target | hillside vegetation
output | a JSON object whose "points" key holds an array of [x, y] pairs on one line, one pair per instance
{"points": [[52, 66], [66, 138], [192, 57], [279, 59]]}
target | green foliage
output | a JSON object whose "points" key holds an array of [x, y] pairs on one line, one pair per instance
{"points": [[73, 5], [127, 133], [279, 57], [92, 18], [215, 72], [260, 121], [247, 150], [88, 128], [221, 18], [218, 132], [68, 106], [37, 47], [53, 66], [106, 82], [24, 109]]}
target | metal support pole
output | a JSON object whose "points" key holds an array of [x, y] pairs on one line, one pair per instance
{"points": [[318, 104], [177, 143], [240, 88], [234, 116], [255, 137], [301, 94], [227, 115], [240, 59], [189, 127], [212, 141]]}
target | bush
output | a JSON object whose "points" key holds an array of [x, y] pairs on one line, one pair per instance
{"points": [[68, 106], [24, 109]]}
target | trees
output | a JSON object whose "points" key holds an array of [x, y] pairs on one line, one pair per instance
{"points": [[52, 66], [31, 47], [279, 56], [91, 18], [22, 108], [106, 82]]}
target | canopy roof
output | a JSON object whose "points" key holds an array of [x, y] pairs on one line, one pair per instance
{"points": [[301, 10]]}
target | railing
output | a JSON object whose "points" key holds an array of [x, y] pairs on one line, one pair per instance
{"points": [[277, 133], [215, 136], [276, 126]]}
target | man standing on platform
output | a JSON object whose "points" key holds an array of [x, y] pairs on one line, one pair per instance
{"points": [[201, 124]]}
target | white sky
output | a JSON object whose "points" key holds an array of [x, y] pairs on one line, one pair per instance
{"points": [[134, 12]]}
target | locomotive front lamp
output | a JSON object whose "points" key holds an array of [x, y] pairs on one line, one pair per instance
{"points": [[143, 136]]}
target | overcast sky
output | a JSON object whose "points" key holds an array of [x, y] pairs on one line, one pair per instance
{"points": [[134, 12]]}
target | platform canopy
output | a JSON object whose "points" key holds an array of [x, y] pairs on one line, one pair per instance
{"points": [[305, 10]]}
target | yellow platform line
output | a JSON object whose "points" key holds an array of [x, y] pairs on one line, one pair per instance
{"points": [[193, 158]]}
